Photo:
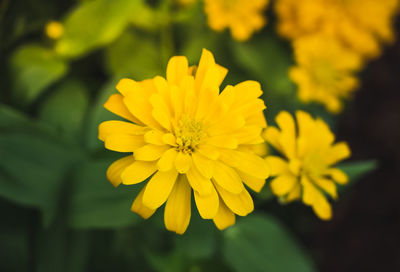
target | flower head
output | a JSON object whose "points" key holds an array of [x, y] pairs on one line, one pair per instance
{"points": [[241, 16], [305, 171], [184, 134], [359, 24], [324, 71]]}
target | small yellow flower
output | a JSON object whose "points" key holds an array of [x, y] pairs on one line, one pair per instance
{"points": [[184, 134], [243, 17], [359, 24], [306, 170], [54, 30], [324, 71]]}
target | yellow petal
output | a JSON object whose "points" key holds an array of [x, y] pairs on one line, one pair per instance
{"points": [[338, 175], [161, 111], [119, 127], [248, 90], [203, 164], [158, 188], [327, 185], [207, 205], [138, 172], [256, 184], [167, 160], [208, 73], [150, 152], [277, 165], [246, 162], [177, 69], [154, 137], [209, 151], [272, 135], [116, 168], [170, 139], [177, 210], [223, 141], [338, 152], [241, 204], [140, 107], [227, 178], [116, 105], [123, 142], [294, 194], [224, 218], [198, 182], [126, 85], [283, 184], [183, 162], [313, 197], [139, 208]]}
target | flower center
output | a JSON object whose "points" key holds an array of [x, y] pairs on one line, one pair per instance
{"points": [[189, 134]]}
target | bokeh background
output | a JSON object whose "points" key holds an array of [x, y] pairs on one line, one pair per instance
{"points": [[58, 211]]}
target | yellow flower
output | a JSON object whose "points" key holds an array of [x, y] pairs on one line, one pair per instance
{"points": [[359, 24], [306, 170], [184, 134], [54, 30], [324, 71], [243, 17]]}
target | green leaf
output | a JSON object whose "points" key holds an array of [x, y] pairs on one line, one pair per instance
{"points": [[33, 169], [261, 243], [199, 240], [358, 169], [269, 59], [95, 203], [94, 24], [59, 249], [65, 109], [34, 69], [135, 56]]}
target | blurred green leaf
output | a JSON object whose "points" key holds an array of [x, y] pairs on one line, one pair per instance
{"points": [[269, 59], [261, 243], [62, 250], [135, 56], [65, 109], [34, 169], [94, 24], [358, 169], [171, 262], [199, 240], [95, 203], [34, 69]]}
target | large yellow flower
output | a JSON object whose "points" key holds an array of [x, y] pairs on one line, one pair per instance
{"points": [[184, 134], [306, 170], [324, 71], [243, 17], [359, 24]]}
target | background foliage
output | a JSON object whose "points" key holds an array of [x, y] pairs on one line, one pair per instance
{"points": [[59, 213]]}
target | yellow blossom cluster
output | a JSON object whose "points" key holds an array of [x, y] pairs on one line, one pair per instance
{"points": [[242, 17], [306, 170], [356, 27]]}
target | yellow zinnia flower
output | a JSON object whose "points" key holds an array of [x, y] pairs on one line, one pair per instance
{"points": [[306, 172], [184, 135], [324, 71], [243, 17], [359, 24]]}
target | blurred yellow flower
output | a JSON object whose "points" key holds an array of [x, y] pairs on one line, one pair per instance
{"points": [[359, 24], [54, 30], [243, 17], [306, 170], [184, 135], [324, 71]]}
